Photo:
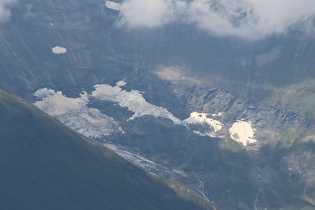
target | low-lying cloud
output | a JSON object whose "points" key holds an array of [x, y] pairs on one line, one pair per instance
{"points": [[249, 19], [4, 11], [146, 13]]}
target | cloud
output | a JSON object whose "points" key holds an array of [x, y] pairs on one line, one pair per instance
{"points": [[4, 11], [146, 13], [248, 19]]}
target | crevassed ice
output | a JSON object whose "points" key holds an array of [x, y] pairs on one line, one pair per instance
{"points": [[55, 103], [74, 113], [90, 121]]}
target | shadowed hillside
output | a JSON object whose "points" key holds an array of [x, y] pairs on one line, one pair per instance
{"points": [[45, 165]]}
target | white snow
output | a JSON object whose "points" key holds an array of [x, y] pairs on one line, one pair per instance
{"points": [[132, 100], [204, 119], [90, 122], [59, 50], [121, 83], [139, 160], [41, 93], [180, 172], [242, 131], [74, 113], [112, 5], [55, 103], [219, 114], [201, 189]]}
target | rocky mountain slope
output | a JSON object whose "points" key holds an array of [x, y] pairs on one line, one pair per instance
{"points": [[46, 165], [231, 118]]}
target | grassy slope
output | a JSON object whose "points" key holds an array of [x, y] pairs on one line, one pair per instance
{"points": [[296, 97], [45, 165]]}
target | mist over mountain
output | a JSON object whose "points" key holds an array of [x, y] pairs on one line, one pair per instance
{"points": [[247, 19], [216, 94]]}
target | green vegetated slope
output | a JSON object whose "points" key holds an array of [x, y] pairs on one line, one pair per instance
{"points": [[45, 165], [297, 97]]}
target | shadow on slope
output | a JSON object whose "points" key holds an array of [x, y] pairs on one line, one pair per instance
{"points": [[45, 165]]}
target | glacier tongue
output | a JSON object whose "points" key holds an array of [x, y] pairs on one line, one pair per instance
{"points": [[90, 122], [74, 113], [132, 100]]}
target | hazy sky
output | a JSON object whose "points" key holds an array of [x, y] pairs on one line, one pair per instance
{"points": [[249, 19]]}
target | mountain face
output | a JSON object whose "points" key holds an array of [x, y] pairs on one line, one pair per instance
{"points": [[231, 118], [46, 165]]}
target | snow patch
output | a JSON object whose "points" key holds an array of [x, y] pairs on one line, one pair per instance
{"points": [[132, 100], [242, 131], [90, 122], [180, 172], [121, 83], [140, 161], [74, 113], [55, 103], [112, 5], [44, 92], [219, 114], [59, 50], [205, 120], [201, 189]]}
